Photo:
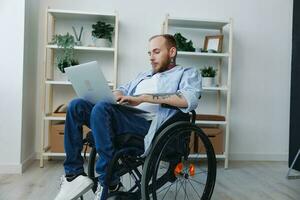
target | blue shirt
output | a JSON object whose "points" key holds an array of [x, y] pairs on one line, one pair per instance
{"points": [[187, 81]]}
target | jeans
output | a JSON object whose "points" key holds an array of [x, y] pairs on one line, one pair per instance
{"points": [[105, 120]]}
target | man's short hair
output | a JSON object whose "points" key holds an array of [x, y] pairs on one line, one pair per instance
{"points": [[170, 40]]}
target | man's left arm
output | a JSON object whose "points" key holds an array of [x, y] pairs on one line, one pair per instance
{"points": [[187, 96], [191, 87], [176, 99]]}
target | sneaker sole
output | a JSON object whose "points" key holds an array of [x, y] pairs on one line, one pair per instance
{"points": [[83, 191]]}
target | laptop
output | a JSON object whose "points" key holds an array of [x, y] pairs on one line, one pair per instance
{"points": [[90, 84]]}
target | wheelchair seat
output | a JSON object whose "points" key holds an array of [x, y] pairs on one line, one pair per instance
{"points": [[128, 140]]}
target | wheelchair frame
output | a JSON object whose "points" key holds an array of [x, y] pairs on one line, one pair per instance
{"points": [[126, 160]]}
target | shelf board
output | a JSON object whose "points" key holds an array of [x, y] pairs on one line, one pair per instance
{"points": [[222, 88], [52, 82], [211, 122], [82, 15], [195, 156], [84, 48], [196, 23], [52, 117], [188, 53], [210, 119], [60, 154]]}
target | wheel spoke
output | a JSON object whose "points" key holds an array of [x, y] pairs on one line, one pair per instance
{"points": [[181, 185], [197, 182], [184, 189], [194, 189], [176, 190], [166, 192], [165, 188]]}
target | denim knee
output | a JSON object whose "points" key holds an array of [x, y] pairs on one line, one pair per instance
{"points": [[100, 108], [75, 104]]}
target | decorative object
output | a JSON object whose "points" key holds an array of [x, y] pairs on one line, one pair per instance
{"points": [[78, 38], [198, 49], [61, 110], [208, 76], [67, 43], [102, 32], [182, 44], [213, 44]]}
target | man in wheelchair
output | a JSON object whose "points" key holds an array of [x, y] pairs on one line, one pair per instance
{"points": [[166, 83]]}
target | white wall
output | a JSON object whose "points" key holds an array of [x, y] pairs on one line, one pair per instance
{"points": [[18, 84], [261, 61], [29, 82], [11, 78]]}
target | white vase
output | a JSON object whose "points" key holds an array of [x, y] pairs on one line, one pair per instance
{"points": [[101, 42], [59, 76], [208, 81]]}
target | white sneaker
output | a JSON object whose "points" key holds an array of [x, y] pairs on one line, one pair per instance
{"points": [[99, 190], [74, 189]]}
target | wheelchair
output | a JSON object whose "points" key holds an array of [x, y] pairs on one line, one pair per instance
{"points": [[169, 171]]}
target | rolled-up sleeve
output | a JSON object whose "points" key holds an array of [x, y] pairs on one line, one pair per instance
{"points": [[124, 88], [190, 87]]}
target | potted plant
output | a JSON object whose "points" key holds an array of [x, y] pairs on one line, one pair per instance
{"points": [[208, 76], [182, 44], [102, 31], [66, 59]]}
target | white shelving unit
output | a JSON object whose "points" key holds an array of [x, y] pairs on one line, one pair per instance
{"points": [[60, 22], [223, 60]]}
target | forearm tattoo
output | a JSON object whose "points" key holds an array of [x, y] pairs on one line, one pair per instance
{"points": [[166, 95]]}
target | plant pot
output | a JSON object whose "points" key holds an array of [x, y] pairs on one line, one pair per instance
{"points": [[101, 42], [208, 81], [59, 76], [78, 43]]}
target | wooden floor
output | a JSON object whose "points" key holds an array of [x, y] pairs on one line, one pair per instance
{"points": [[242, 181]]}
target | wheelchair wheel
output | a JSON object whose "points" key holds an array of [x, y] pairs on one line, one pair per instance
{"points": [[170, 172], [126, 165]]}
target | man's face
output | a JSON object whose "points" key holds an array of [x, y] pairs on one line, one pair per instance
{"points": [[159, 53]]}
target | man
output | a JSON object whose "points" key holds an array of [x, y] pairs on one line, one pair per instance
{"points": [[166, 83]]}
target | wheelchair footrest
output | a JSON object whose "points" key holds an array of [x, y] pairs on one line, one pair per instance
{"points": [[123, 196]]}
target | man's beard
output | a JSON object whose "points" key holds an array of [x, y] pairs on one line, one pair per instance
{"points": [[165, 65]]}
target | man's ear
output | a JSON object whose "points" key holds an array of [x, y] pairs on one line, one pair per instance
{"points": [[172, 52]]}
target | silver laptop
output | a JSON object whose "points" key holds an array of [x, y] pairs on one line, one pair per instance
{"points": [[90, 84]]}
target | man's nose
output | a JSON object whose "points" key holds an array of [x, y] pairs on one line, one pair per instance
{"points": [[151, 57]]}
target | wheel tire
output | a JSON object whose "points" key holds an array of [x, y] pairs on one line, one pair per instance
{"points": [[156, 151]]}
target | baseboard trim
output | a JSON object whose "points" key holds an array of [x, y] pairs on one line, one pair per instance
{"points": [[27, 162], [11, 169], [258, 157], [17, 168]]}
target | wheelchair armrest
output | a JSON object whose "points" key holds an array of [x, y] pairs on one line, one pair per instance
{"points": [[193, 113]]}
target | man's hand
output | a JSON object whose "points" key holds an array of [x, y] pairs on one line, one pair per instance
{"points": [[118, 95], [133, 101]]}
